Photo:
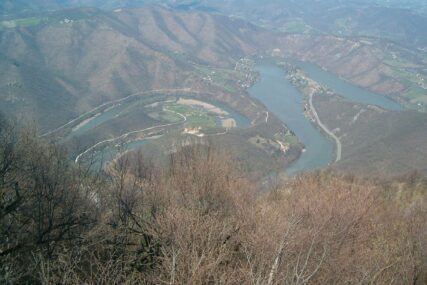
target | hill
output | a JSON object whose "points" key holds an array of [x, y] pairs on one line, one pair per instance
{"points": [[78, 59], [71, 61], [395, 21], [73, 65], [376, 142], [198, 218], [392, 20], [60, 67]]}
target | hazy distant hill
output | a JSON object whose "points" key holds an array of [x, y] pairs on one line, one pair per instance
{"points": [[59, 64], [26, 6], [398, 21], [394, 20]]}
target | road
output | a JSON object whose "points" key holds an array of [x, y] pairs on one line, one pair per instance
{"points": [[115, 102], [189, 90], [130, 133], [326, 130]]}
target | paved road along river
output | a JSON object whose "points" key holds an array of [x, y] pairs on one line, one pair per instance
{"points": [[286, 102]]}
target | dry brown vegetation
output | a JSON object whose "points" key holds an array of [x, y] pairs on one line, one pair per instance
{"points": [[376, 142], [54, 72], [199, 221]]}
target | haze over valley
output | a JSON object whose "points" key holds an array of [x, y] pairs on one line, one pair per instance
{"points": [[232, 102]]}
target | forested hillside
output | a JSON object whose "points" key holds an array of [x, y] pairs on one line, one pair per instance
{"points": [[213, 142], [198, 220], [59, 65], [78, 59]]}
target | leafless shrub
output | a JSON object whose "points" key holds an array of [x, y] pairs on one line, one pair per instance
{"points": [[199, 221]]}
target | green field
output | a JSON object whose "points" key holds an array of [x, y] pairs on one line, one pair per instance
{"points": [[342, 24], [412, 83], [415, 92], [290, 139], [202, 121], [165, 116], [220, 77], [44, 17], [396, 61], [23, 22], [185, 110], [195, 117], [297, 26]]}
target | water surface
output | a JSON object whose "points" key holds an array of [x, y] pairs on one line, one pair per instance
{"points": [[286, 102], [346, 89]]}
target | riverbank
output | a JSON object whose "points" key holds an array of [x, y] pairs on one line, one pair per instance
{"points": [[126, 135], [338, 143], [286, 102], [309, 88]]}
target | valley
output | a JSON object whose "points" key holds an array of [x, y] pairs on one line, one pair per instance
{"points": [[213, 142], [375, 141], [286, 102], [365, 128], [96, 71]]}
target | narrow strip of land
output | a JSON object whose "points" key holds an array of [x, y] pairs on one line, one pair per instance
{"points": [[130, 133], [325, 129], [99, 107], [115, 102]]}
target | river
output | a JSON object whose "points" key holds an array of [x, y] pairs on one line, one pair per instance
{"points": [[114, 111], [346, 89], [124, 107], [286, 102]]}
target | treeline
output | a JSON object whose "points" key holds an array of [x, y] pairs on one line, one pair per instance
{"points": [[198, 220]]}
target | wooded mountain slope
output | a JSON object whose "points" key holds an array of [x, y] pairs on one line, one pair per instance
{"points": [[198, 220], [62, 69], [376, 142], [76, 59]]}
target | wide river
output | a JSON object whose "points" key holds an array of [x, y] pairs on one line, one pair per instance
{"points": [[286, 102], [346, 89]]}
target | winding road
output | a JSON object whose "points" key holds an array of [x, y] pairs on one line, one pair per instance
{"points": [[325, 129], [100, 108], [130, 133], [115, 102]]}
